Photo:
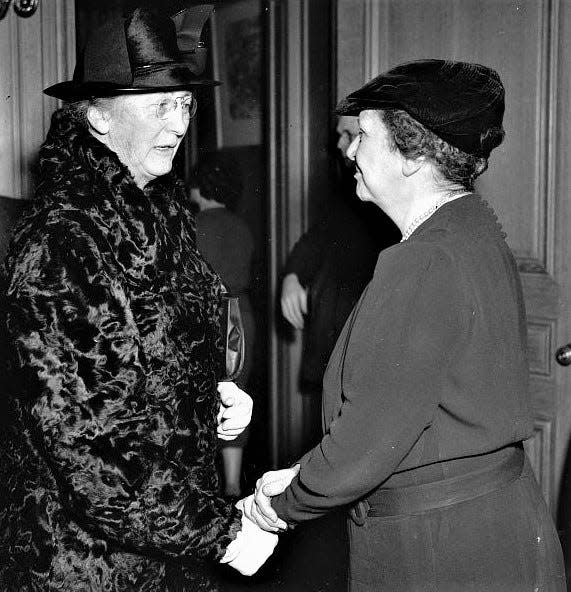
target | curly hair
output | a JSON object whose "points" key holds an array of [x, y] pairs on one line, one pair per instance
{"points": [[218, 177], [412, 140]]}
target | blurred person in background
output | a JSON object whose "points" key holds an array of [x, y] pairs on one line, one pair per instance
{"points": [[331, 264]]}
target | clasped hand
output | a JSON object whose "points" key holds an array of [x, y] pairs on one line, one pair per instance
{"points": [[235, 411], [257, 539], [258, 508]]}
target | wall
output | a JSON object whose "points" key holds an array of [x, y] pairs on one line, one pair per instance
{"points": [[36, 52]]}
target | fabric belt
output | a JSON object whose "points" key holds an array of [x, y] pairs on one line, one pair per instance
{"points": [[439, 494]]}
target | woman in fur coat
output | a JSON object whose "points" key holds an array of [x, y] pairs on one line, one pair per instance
{"points": [[110, 425]]}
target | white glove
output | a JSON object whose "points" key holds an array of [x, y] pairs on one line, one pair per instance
{"points": [[293, 300], [251, 547], [235, 411], [258, 507]]}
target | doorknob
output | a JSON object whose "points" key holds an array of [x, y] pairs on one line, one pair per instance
{"points": [[563, 355]]}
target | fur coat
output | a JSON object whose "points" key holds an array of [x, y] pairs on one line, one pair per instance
{"points": [[108, 431]]}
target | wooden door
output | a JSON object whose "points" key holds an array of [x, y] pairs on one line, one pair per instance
{"points": [[528, 182]]}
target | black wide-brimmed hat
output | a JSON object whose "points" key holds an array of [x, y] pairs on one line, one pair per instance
{"points": [[460, 102], [140, 54]]}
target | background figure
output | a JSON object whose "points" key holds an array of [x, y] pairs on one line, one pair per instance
{"points": [[226, 242], [331, 264], [110, 415]]}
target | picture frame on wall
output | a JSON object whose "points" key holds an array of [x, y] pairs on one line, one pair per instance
{"points": [[237, 46]]}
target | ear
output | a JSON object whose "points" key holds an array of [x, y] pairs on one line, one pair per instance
{"points": [[410, 166], [98, 119]]}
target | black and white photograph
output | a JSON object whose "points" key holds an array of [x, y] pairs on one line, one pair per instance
{"points": [[285, 296]]}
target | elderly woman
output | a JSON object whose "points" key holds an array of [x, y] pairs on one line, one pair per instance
{"points": [[109, 431], [426, 399]]}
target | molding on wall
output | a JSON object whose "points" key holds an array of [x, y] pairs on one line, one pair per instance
{"points": [[9, 107], [298, 72], [41, 51], [539, 450], [288, 212], [274, 174], [376, 38], [541, 260], [16, 108], [372, 49], [541, 346], [552, 88]]}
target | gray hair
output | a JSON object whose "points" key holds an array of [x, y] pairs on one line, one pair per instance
{"points": [[77, 110], [412, 139]]}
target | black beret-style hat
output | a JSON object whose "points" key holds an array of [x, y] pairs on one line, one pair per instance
{"points": [[460, 102], [140, 54]]}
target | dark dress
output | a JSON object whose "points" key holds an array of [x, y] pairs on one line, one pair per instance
{"points": [[334, 260], [108, 428], [428, 384], [225, 241]]}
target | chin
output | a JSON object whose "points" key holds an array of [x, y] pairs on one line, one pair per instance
{"points": [[160, 169], [363, 195]]}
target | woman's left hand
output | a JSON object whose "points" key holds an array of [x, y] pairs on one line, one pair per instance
{"points": [[235, 411]]}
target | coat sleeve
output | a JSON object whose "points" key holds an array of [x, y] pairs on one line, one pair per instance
{"points": [[308, 253], [85, 399], [397, 346]]}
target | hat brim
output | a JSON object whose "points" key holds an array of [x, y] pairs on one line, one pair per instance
{"points": [[383, 92], [354, 105], [78, 91]]}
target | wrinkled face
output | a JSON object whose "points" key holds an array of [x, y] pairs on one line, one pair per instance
{"points": [[347, 129], [378, 167], [145, 142]]}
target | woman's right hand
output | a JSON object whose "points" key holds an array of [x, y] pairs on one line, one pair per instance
{"points": [[293, 300], [258, 508]]}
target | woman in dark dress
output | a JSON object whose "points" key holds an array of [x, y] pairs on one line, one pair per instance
{"points": [[109, 429], [426, 399]]}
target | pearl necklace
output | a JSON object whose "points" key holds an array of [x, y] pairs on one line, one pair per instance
{"points": [[427, 213]]}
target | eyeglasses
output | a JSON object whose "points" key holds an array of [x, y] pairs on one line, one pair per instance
{"points": [[167, 105]]}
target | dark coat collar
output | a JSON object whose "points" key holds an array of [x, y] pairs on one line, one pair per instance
{"points": [[82, 180], [71, 152]]}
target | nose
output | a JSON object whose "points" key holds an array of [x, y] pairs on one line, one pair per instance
{"points": [[352, 150], [177, 122]]}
